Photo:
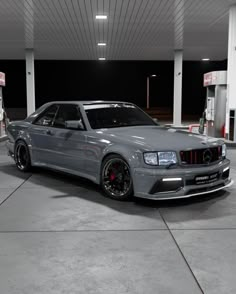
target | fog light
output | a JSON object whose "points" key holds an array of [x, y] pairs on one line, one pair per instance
{"points": [[167, 185], [171, 179], [225, 173], [225, 169]]}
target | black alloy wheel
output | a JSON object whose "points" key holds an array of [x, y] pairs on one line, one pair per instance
{"points": [[116, 180], [22, 156]]}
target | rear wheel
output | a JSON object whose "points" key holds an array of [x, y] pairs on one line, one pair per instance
{"points": [[22, 156], [116, 180]]}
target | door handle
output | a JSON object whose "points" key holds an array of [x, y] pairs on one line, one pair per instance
{"points": [[49, 132]]}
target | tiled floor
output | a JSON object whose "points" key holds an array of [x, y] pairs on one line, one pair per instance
{"points": [[58, 234]]}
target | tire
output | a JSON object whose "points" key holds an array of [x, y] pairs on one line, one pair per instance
{"points": [[22, 156], [116, 180]]}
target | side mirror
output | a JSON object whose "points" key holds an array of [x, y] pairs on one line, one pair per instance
{"points": [[155, 120], [74, 124]]}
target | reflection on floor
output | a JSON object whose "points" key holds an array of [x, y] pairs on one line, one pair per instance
{"points": [[58, 234]]}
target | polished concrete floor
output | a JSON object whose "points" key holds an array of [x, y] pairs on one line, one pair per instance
{"points": [[58, 234]]}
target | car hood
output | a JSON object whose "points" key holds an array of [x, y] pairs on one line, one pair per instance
{"points": [[160, 138]]}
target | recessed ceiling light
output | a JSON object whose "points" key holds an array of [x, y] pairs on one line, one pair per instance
{"points": [[205, 59], [101, 58], [101, 16], [102, 44], [153, 76]]}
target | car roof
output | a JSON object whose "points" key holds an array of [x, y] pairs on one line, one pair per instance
{"points": [[87, 102], [84, 102]]}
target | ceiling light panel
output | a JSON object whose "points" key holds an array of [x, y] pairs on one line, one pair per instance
{"points": [[101, 17]]}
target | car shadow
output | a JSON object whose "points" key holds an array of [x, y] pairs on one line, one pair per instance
{"points": [[74, 186]]}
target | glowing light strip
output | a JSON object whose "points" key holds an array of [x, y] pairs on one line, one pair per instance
{"points": [[171, 179]]}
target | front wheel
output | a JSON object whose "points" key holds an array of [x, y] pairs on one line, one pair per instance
{"points": [[22, 156], [116, 180]]}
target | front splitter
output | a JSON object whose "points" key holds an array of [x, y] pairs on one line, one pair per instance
{"points": [[162, 197]]}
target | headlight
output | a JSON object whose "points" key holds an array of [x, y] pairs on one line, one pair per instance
{"points": [[166, 158], [160, 158], [150, 158], [224, 150]]}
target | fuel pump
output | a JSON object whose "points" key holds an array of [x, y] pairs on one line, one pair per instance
{"points": [[216, 84], [2, 118]]}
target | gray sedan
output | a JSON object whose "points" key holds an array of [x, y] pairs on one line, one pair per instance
{"points": [[117, 145]]}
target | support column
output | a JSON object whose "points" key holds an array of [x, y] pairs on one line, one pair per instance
{"points": [[148, 95], [230, 124], [30, 84], [177, 110]]}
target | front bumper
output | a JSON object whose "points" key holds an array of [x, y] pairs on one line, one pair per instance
{"points": [[182, 182]]}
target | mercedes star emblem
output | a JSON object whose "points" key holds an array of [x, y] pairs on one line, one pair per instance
{"points": [[207, 156]]}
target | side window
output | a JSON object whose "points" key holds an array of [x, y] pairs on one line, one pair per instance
{"points": [[66, 112], [46, 119]]}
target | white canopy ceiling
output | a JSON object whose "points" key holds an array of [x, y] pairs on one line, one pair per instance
{"points": [[134, 29]]}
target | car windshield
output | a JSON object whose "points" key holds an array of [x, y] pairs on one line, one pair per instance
{"points": [[113, 115]]}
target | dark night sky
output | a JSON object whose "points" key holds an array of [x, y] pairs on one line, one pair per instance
{"points": [[116, 80]]}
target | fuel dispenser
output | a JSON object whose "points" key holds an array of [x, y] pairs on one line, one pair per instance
{"points": [[2, 84], [215, 112]]}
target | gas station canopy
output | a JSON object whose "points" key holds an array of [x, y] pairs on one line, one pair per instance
{"points": [[133, 30]]}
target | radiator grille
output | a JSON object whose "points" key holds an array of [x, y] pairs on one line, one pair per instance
{"points": [[201, 156]]}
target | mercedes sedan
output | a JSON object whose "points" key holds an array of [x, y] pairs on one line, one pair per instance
{"points": [[121, 148]]}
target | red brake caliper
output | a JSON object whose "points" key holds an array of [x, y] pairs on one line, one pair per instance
{"points": [[112, 176]]}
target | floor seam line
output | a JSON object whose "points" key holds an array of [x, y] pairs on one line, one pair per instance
{"points": [[182, 254], [85, 231], [14, 191], [206, 229]]}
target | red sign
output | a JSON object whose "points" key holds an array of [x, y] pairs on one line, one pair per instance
{"points": [[210, 78], [207, 79], [2, 79]]}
